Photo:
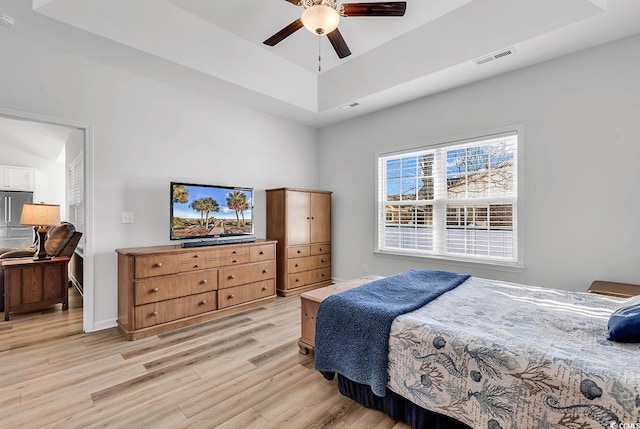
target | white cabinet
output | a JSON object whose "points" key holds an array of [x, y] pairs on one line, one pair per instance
{"points": [[17, 178]]}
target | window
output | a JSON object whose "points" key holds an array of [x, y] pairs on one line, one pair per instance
{"points": [[75, 196], [456, 201]]}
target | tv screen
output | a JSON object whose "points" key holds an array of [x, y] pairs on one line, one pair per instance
{"points": [[209, 211]]}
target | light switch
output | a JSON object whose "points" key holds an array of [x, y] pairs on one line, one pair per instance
{"points": [[127, 217]]}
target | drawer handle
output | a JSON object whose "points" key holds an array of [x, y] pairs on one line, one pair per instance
{"points": [[262, 252], [155, 289], [266, 270], [204, 282], [231, 296], [322, 274], [308, 218], [203, 302], [264, 288], [297, 280], [234, 252], [196, 256], [234, 261], [231, 277], [155, 313], [299, 251], [159, 265], [321, 249], [297, 265], [322, 260], [198, 266]]}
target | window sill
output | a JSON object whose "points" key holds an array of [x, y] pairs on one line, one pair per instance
{"points": [[512, 267]]}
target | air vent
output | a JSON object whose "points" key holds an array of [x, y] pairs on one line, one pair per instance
{"points": [[495, 56], [349, 106], [484, 60], [503, 54]]}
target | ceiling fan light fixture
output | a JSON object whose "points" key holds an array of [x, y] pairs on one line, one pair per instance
{"points": [[320, 19]]}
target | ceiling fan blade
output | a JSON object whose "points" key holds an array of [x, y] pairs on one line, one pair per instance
{"points": [[390, 8], [338, 43], [294, 2], [284, 33]]}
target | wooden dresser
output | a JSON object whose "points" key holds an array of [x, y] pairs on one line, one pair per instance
{"points": [[166, 287], [300, 220]]}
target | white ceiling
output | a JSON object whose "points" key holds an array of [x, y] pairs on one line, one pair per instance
{"points": [[215, 47], [36, 139]]}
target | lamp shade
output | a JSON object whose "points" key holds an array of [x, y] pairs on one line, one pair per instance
{"points": [[320, 19], [40, 214]]}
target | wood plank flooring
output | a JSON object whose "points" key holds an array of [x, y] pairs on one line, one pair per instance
{"points": [[241, 371]]}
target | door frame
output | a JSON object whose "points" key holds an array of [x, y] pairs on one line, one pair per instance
{"points": [[88, 324]]}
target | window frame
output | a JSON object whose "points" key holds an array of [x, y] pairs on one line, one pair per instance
{"points": [[517, 264]]}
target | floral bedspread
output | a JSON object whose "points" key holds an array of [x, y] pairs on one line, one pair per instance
{"points": [[500, 355]]}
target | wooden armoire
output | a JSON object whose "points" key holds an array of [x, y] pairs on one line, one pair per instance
{"points": [[300, 219]]}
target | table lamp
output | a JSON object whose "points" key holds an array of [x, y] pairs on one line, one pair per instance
{"points": [[40, 215]]}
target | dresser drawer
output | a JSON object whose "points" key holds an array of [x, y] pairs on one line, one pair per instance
{"points": [[194, 265], [224, 252], [308, 278], [166, 311], [245, 293], [156, 265], [168, 287], [309, 263], [234, 276], [232, 260], [320, 249], [262, 253], [298, 252], [195, 256]]}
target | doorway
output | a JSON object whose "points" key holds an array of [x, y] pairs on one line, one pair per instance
{"points": [[59, 150]]}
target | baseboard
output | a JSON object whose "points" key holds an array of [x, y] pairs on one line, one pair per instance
{"points": [[105, 324]]}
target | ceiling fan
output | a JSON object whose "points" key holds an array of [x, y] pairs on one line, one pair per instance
{"points": [[322, 17]]}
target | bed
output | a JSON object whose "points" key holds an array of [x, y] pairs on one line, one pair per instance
{"points": [[490, 354]]}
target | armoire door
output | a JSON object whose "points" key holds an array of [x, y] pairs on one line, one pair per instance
{"points": [[320, 217], [298, 217]]}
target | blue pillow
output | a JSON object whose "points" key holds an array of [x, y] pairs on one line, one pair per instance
{"points": [[624, 324]]}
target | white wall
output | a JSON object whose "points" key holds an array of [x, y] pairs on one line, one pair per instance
{"points": [[50, 185], [581, 199], [146, 134]]}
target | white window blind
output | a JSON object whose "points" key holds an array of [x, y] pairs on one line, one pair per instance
{"points": [[75, 196], [454, 200]]}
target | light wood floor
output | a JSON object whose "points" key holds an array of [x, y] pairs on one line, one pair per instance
{"points": [[242, 371]]}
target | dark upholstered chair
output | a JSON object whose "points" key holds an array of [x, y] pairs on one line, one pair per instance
{"points": [[62, 240]]}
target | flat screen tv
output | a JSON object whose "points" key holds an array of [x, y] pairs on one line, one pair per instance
{"points": [[210, 211]]}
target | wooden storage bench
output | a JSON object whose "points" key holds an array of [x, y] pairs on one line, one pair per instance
{"points": [[310, 302]]}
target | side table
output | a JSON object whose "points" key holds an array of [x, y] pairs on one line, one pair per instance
{"points": [[35, 284]]}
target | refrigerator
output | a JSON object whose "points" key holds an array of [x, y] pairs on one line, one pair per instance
{"points": [[12, 234]]}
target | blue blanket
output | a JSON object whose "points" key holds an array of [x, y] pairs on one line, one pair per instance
{"points": [[352, 327]]}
